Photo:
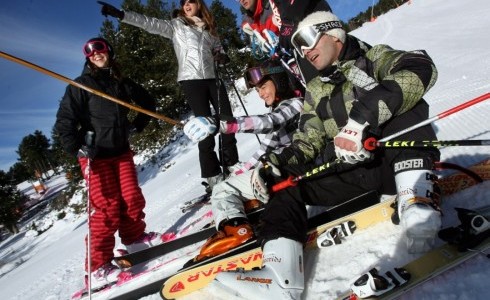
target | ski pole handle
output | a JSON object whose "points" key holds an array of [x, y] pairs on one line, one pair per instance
{"points": [[371, 143], [291, 181], [89, 138]]}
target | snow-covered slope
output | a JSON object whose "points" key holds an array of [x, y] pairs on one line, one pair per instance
{"points": [[454, 33]]}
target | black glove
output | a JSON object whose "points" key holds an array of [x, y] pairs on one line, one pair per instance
{"points": [[109, 10], [285, 35]]}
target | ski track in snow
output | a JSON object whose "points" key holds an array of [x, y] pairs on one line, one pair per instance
{"points": [[454, 35]]}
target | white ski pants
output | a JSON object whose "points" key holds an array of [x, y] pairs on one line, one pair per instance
{"points": [[229, 196]]}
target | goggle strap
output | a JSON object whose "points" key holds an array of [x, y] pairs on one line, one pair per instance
{"points": [[326, 26]]}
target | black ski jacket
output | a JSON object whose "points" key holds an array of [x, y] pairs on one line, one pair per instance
{"points": [[81, 111]]}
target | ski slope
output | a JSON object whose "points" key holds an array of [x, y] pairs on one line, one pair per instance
{"points": [[453, 32]]}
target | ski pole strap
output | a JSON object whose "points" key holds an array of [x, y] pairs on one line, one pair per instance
{"points": [[371, 143]]}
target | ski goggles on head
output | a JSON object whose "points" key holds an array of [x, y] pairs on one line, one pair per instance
{"points": [[91, 47], [307, 37], [254, 76], [182, 2]]}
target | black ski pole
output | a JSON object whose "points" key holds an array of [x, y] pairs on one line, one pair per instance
{"points": [[287, 67], [372, 144], [238, 95], [220, 139]]}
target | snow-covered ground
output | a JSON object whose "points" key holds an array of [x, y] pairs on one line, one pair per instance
{"points": [[454, 33]]}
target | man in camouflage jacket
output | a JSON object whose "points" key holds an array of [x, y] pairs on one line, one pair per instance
{"points": [[361, 92]]}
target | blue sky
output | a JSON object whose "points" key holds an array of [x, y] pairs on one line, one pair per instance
{"points": [[51, 33]]}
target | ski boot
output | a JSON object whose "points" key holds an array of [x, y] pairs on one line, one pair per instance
{"points": [[103, 276], [281, 277], [418, 209], [146, 240], [231, 233]]}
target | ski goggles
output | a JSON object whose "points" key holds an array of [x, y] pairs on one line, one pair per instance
{"points": [[182, 2], [307, 37], [91, 47], [254, 76]]}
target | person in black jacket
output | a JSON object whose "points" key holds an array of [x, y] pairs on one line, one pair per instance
{"points": [[97, 132]]}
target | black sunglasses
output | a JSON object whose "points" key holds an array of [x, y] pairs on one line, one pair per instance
{"points": [[182, 2]]}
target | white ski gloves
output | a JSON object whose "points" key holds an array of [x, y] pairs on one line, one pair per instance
{"points": [[199, 128], [349, 143]]}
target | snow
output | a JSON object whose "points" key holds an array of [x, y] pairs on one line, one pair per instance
{"points": [[50, 265]]}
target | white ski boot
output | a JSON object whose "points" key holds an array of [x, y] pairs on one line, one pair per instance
{"points": [[281, 277], [418, 209]]}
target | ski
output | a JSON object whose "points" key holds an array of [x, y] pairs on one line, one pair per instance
{"points": [[153, 285], [196, 202], [132, 259], [428, 266], [185, 281], [170, 236], [159, 275], [469, 239], [249, 255]]}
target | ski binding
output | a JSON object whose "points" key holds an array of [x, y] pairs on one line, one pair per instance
{"points": [[373, 283], [334, 235]]}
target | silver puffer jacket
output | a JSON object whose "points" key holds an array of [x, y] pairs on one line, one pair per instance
{"points": [[192, 44]]}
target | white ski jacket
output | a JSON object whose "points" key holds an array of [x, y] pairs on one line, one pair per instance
{"points": [[193, 45]]}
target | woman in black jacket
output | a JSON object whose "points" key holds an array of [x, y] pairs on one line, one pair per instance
{"points": [[105, 157]]}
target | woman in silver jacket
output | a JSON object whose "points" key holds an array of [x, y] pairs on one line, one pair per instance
{"points": [[196, 45]]}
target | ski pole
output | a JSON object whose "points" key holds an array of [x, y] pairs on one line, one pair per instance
{"points": [[239, 98], [88, 89], [236, 91], [371, 143], [287, 67], [293, 180], [89, 139], [332, 167], [439, 116], [218, 90]]}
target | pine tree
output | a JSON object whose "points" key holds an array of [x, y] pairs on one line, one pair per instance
{"points": [[34, 153], [10, 204]]}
